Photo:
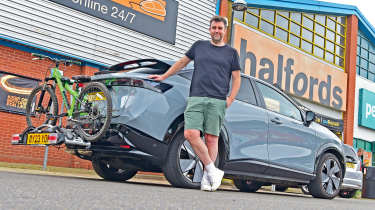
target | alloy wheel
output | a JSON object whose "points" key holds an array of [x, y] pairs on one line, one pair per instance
{"points": [[331, 176], [190, 165]]}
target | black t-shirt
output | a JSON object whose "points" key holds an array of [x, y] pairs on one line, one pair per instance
{"points": [[213, 68]]}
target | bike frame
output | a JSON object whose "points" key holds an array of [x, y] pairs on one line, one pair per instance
{"points": [[55, 73]]}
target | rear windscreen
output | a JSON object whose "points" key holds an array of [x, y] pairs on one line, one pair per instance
{"points": [[149, 71]]}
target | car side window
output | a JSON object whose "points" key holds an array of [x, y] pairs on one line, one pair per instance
{"points": [[246, 92], [278, 103]]}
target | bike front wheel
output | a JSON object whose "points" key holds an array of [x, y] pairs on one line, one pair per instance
{"points": [[93, 111], [41, 107]]}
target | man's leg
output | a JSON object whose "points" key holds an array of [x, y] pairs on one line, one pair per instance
{"points": [[212, 145], [193, 136], [214, 117]]}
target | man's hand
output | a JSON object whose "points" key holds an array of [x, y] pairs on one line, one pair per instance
{"points": [[229, 101], [156, 77], [180, 64]]}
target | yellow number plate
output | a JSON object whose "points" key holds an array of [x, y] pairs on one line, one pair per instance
{"points": [[37, 138], [96, 96], [350, 165]]}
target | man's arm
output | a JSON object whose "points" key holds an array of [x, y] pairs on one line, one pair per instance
{"points": [[236, 84], [180, 64]]}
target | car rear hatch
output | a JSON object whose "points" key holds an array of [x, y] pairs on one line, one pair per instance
{"points": [[135, 97]]}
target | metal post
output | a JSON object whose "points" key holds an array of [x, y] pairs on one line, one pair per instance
{"points": [[45, 158], [273, 188], [61, 111]]}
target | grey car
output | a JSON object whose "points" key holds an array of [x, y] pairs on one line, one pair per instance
{"points": [[266, 138]]}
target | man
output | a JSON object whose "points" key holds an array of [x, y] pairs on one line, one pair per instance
{"points": [[214, 65]]}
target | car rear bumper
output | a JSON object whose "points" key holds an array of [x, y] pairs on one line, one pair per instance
{"points": [[352, 180]]}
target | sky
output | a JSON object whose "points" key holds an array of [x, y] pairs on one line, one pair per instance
{"points": [[365, 6]]}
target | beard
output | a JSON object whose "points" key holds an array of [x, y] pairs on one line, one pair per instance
{"points": [[216, 39]]}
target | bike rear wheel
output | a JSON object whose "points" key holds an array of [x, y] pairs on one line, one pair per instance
{"points": [[41, 107], [93, 111]]}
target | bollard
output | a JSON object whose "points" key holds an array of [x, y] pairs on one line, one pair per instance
{"points": [[45, 158]]}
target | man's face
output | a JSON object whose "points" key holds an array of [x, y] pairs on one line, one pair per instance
{"points": [[217, 31]]}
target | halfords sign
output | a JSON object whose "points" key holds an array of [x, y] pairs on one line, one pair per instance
{"points": [[156, 18], [293, 71], [366, 116]]}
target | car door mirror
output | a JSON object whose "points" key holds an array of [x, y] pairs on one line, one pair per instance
{"points": [[310, 116]]}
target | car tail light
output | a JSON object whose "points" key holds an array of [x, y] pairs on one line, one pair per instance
{"points": [[16, 139], [52, 138], [125, 146]]}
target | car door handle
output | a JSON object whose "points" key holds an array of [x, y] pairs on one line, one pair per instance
{"points": [[276, 120]]}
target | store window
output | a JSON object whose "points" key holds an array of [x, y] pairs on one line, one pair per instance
{"points": [[365, 58], [319, 35]]}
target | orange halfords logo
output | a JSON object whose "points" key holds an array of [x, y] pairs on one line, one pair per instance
{"points": [[153, 8]]}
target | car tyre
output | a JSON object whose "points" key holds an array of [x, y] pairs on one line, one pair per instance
{"points": [[347, 193], [104, 169], [247, 185], [328, 178], [183, 167]]}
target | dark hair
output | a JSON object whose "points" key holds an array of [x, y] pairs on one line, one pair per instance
{"points": [[219, 19]]}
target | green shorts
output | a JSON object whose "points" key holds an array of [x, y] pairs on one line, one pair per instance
{"points": [[205, 114]]}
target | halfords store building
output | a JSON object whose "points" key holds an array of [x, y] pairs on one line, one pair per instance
{"points": [[322, 54]]}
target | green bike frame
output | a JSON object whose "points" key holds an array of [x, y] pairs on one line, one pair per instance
{"points": [[65, 85]]}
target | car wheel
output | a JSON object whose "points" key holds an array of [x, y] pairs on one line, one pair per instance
{"points": [[305, 189], [328, 178], [183, 167], [347, 193], [280, 188], [104, 169], [247, 185]]}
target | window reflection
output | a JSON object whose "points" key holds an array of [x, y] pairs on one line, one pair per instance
{"points": [[252, 20], [281, 34], [238, 15], [329, 57], [296, 17], [308, 35], [268, 15], [319, 40], [306, 46], [281, 21], [318, 52], [308, 23], [266, 27], [294, 40], [296, 29]]}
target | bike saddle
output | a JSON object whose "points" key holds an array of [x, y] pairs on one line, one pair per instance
{"points": [[82, 78]]}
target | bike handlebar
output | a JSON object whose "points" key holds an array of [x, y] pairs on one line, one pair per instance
{"points": [[65, 61]]}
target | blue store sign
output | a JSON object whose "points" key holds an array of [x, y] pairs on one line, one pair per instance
{"points": [[366, 117]]}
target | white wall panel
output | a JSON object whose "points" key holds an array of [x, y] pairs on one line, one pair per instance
{"points": [[359, 131], [49, 25]]}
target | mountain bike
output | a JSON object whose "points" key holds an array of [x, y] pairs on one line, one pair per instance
{"points": [[89, 110]]}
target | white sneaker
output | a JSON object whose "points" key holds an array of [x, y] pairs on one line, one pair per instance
{"points": [[205, 183], [215, 179]]}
